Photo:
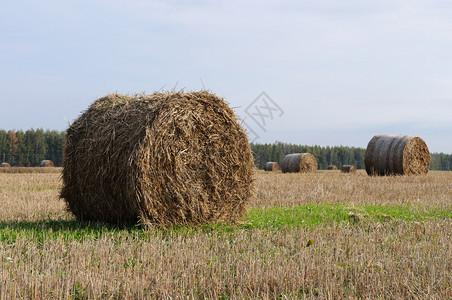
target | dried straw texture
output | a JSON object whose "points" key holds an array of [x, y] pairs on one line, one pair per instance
{"points": [[348, 169], [5, 165], [299, 162], [46, 163], [271, 166], [397, 155], [161, 159], [332, 167]]}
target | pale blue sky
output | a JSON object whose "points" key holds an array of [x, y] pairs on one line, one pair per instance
{"points": [[341, 71]]}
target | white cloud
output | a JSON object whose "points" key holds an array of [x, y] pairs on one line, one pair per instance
{"points": [[340, 65]]}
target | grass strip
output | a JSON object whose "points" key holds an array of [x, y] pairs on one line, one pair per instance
{"points": [[275, 218], [315, 214]]}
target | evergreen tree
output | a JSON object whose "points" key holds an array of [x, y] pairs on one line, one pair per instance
{"points": [[3, 146], [22, 157], [12, 142], [55, 145]]}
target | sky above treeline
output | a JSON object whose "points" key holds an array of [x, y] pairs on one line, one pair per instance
{"points": [[304, 72]]}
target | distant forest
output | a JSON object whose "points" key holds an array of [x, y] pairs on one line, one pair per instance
{"points": [[336, 155], [29, 148]]}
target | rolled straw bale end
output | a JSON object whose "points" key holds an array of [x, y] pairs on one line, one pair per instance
{"points": [[161, 159], [396, 155], [271, 166], [348, 169], [416, 157], [46, 164], [5, 165], [299, 162]]}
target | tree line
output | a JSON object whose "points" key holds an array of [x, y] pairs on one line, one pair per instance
{"points": [[325, 156], [29, 148], [336, 155]]}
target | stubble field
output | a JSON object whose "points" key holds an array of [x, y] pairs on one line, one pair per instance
{"points": [[323, 235]]}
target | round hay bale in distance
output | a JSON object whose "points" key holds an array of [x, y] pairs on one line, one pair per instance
{"points": [[397, 155], [46, 164], [5, 165], [160, 159], [299, 162], [332, 167], [271, 166], [348, 169]]}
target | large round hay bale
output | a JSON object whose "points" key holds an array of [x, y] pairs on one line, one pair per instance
{"points": [[397, 155], [166, 158], [5, 165], [271, 166], [348, 169], [332, 167], [299, 162], [46, 163]]}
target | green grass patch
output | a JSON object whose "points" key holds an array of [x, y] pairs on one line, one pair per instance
{"points": [[262, 219], [316, 214], [67, 230]]}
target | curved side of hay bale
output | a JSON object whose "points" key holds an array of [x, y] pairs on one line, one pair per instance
{"points": [[332, 167], [46, 163], [348, 169], [162, 159], [396, 155], [299, 162], [5, 165], [271, 166]]}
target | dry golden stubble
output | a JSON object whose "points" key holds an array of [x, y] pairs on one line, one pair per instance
{"points": [[392, 259], [22, 170], [431, 190], [38, 193], [31, 197], [397, 259]]}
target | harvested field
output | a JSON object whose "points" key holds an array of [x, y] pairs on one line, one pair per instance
{"points": [[286, 190], [19, 170], [296, 241]]}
